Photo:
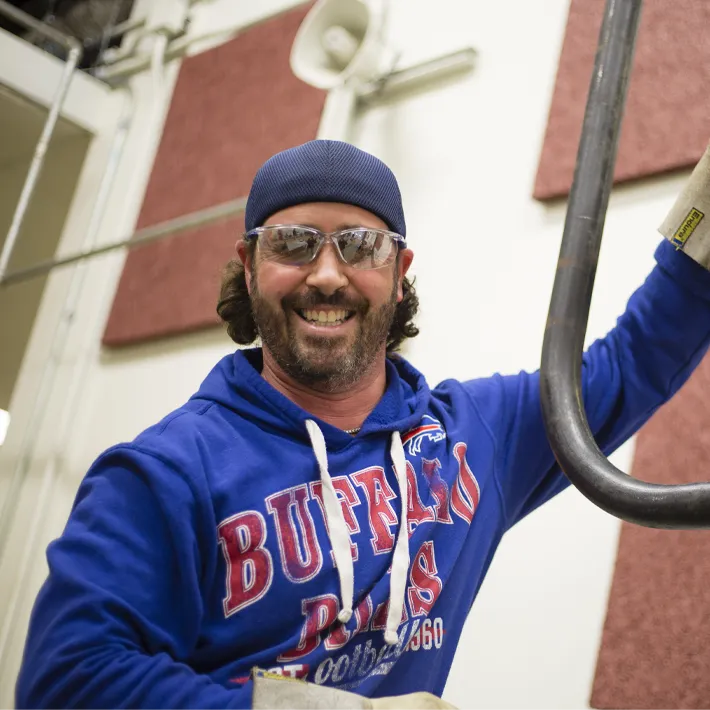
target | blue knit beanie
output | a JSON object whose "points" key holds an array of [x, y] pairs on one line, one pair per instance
{"points": [[325, 171]]}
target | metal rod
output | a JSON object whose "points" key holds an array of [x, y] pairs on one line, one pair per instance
{"points": [[169, 228], [662, 506], [125, 27], [31, 23], [67, 320], [178, 47], [413, 77], [73, 59], [46, 376], [113, 30]]}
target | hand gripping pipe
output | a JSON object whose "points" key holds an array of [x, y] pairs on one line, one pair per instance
{"points": [[653, 505]]}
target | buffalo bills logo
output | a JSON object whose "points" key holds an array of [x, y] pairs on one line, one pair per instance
{"points": [[429, 428]]}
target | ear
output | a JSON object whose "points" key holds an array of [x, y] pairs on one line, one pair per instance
{"points": [[245, 256], [403, 263]]}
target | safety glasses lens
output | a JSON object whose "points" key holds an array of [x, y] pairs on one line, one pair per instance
{"points": [[289, 245], [366, 248], [297, 246]]}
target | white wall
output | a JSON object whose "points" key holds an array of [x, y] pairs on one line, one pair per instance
{"points": [[466, 155]]}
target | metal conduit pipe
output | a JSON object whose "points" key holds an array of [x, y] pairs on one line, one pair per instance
{"points": [[653, 505], [30, 184], [178, 47], [402, 80], [66, 416], [32, 23], [59, 341], [141, 237]]}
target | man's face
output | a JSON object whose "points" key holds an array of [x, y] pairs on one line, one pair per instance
{"points": [[324, 323]]}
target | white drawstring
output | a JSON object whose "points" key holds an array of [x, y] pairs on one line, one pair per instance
{"points": [[400, 559], [340, 535], [338, 531]]}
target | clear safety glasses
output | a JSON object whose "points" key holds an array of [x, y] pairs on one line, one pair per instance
{"points": [[296, 245]]}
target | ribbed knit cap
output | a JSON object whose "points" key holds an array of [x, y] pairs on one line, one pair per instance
{"points": [[325, 171]]}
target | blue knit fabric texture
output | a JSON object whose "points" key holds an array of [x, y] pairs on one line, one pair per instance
{"points": [[325, 171]]}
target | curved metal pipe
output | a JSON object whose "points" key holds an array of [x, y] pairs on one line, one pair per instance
{"points": [[653, 505]]}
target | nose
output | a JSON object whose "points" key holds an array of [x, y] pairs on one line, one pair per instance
{"points": [[327, 273]]}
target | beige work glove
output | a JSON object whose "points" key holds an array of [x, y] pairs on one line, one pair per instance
{"points": [[274, 691], [687, 225], [411, 701]]}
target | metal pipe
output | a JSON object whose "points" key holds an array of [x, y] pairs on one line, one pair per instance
{"points": [[37, 161], [31, 23], [59, 342], [169, 228], [125, 27], [157, 66], [61, 331], [128, 48], [114, 30], [413, 77], [30, 184], [661, 506], [60, 337], [177, 47]]}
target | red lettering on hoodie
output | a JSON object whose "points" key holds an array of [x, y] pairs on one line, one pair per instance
{"points": [[379, 511], [417, 513], [301, 556], [426, 585], [466, 493], [250, 569], [320, 612]]}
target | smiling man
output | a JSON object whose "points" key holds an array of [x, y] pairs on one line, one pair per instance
{"points": [[325, 323], [326, 326], [315, 510]]}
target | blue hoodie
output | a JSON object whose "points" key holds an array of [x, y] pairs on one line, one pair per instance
{"points": [[208, 546]]}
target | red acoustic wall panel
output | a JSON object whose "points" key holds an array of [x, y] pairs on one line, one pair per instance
{"points": [[172, 286], [667, 119], [232, 108], [655, 650]]}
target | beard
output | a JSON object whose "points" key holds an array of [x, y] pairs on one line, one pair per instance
{"points": [[323, 363]]}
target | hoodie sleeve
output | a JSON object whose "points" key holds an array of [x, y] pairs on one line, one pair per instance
{"points": [[120, 611], [626, 376]]}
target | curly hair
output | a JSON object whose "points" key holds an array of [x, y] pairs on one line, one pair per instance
{"points": [[234, 308]]}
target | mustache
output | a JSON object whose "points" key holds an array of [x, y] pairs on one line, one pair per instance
{"points": [[313, 299]]}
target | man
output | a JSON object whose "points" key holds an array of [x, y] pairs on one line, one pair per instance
{"points": [[315, 509]]}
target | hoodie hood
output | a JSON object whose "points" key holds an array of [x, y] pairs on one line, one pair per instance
{"points": [[236, 383]]}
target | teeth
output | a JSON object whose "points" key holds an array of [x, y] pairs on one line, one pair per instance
{"points": [[325, 317]]}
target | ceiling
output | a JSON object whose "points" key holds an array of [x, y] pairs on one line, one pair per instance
{"points": [[21, 123]]}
